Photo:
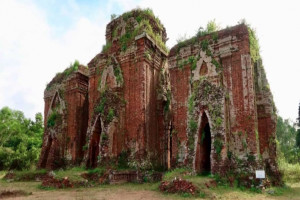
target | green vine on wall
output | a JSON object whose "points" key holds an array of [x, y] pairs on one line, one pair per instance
{"points": [[205, 92], [52, 119], [192, 60], [118, 72], [168, 102], [109, 105], [254, 45], [218, 145]]}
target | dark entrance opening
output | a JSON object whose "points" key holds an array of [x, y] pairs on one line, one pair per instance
{"points": [[46, 153], [94, 146], [203, 162], [169, 146]]}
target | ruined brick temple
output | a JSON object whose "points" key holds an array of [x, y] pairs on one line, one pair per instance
{"points": [[205, 104]]}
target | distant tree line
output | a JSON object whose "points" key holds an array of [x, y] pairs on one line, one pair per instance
{"points": [[298, 131], [20, 139], [288, 139]]}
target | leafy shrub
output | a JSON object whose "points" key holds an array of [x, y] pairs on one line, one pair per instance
{"points": [[218, 66], [59, 77], [254, 46], [101, 106], [291, 172], [177, 172], [52, 119], [123, 160], [204, 44], [110, 115], [218, 144], [193, 126], [106, 47], [100, 171], [118, 74], [143, 17], [20, 139]]}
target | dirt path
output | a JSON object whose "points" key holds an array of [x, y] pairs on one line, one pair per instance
{"points": [[133, 192], [116, 192], [99, 195]]}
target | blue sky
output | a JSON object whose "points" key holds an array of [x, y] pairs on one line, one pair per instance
{"points": [[62, 15], [39, 38]]}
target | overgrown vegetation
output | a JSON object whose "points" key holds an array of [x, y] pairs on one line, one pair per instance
{"points": [[100, 107], [286, 135], [288, 147], [108, 105], [59, 77], [218, 145], [291, 172], [298, 131], [168, 102], [211, 28], [106, 47], [20, 139], [52, 119], [147, 22], [254, 45], [26, 175], [117, 71], [110, 115], [192, 123]]}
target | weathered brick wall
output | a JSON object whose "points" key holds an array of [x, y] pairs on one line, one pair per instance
{"points": [[77, 117], [64, 139], [206, 105], [266, 119], [137, 127], [224, 65]]}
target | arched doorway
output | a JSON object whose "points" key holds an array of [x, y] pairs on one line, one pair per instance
{"points": [[94, 146], [169, 146], [45, 152], [203, 151]]}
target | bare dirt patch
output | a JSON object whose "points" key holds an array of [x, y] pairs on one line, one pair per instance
{"points": [[13, 193]]}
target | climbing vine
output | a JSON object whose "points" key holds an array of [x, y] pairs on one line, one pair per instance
{"points": [[254, 45], [192, 60], [52, 119], [109, 105], [205, 95], [218, 145]]}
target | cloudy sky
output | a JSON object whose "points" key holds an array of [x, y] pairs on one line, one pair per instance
{"points": [[39, 38]]}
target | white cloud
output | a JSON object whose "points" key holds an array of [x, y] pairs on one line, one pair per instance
{"points": [[30, 55], [125, 5]]}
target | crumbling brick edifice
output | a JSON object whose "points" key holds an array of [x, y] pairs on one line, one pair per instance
{"points": [[206, 104]]}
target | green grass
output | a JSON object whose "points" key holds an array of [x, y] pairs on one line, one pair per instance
{"points": [[2, 174], [290, 191], [98, 170], [28, 174], [291, 172], [73, 174], [177, 172]]}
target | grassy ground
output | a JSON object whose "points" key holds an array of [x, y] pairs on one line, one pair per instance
{"points": [[291, 171], [144, 191]]}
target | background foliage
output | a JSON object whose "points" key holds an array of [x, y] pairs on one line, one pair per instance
{"points": [[20, 139], [286, 139]]}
